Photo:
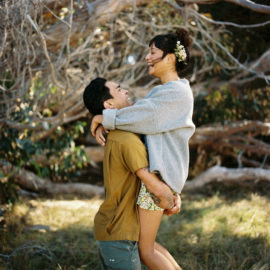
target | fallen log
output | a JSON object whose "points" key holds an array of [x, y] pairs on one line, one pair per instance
{"points": [[223, 174], [30, 181], [207, 135], [239, 140], [94, 153]]}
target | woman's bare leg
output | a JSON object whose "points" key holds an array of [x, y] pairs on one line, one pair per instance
{"points": [[154, 259], [167, 254]]}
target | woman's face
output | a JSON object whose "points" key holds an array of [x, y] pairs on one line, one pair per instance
{"points": [[155, 61]]}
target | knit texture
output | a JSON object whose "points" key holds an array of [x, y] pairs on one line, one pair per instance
{"points": [[165, 117]]}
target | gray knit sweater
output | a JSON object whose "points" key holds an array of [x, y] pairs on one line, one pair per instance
{"points": [[165, 117]]}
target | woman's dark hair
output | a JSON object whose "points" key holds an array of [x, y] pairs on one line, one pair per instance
{"points": [[167, 43], [95, 94]]}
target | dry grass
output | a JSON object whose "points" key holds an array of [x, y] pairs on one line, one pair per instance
{"points": [[215, 231]]}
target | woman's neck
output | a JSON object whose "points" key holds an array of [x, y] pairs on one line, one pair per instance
{"points": [[169, 76]]}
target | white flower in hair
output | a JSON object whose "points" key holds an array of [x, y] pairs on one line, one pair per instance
{"points": [[180, 52]]}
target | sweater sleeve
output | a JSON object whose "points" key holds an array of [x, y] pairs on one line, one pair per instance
{"points": [[167, 108], [139, 118]]}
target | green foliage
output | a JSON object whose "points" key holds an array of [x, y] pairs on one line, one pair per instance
{"points": [[8, 189], [225, 105], [56, 157]]}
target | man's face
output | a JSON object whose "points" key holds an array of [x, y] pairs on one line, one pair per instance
{"points": [[120, 97]]}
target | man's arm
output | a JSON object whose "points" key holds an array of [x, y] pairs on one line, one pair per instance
{"points": [[160, 192]]}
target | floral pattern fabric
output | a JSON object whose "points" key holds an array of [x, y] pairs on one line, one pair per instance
{"points": [[145, 200]]}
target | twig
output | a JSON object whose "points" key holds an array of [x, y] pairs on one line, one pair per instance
{"points": [[197, 14], [43, 41]]}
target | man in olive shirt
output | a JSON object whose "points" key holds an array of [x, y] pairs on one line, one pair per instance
{"points": [[117, 218], [116, 224]]}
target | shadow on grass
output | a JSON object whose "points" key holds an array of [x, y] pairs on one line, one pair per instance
{"points": [[220, 249], [72, 248], [232, 191], [209, 234]]}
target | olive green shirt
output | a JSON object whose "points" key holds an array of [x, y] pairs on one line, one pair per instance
{"points": [[117, 218]]}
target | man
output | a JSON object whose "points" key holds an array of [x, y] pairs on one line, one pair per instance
{"points": [[125, 161]]}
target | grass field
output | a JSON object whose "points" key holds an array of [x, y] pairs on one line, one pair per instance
{"points": [[216, 230]]}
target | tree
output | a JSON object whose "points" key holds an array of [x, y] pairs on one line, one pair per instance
{"points": [[51, 49]]}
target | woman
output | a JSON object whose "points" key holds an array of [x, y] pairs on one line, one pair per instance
{"points": [[165, 117]]}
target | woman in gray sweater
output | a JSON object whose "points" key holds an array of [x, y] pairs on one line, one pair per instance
{"points": [[165, 117]]}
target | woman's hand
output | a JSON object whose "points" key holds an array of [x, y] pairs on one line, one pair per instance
{"points": [[95, 123], [100, 135]]}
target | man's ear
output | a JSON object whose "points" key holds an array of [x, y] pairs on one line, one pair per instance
{"points": [[108, 105]]}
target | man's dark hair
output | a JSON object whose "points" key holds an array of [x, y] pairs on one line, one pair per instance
{"points": [[95, 94]]}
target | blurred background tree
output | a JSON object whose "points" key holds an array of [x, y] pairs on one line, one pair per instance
{"points": [[50, 50]]}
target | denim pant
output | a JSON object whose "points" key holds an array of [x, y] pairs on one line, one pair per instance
{"points": [[119, 255]]}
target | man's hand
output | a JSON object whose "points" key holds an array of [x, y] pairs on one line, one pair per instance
{"points": [[177, 206], [95, 123], [160, 192], [100, 135]]}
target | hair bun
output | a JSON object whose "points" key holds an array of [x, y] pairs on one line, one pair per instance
{"points": [[183, 36]]}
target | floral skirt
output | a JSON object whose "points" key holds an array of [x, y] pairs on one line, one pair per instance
{"points": [[145, 200]]}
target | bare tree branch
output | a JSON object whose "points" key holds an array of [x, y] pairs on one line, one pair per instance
{"points": [[51, 50], [222, 174], [251, 5], [244, 3]]}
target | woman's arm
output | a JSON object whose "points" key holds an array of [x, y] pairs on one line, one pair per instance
{"points": [[96, 121], [139, 118], [167, 109]]}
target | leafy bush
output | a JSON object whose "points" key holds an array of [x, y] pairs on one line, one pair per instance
{"points": [[226, 105], [57, 157]]}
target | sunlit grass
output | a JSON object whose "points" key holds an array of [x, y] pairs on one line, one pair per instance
{"points": [[64, 213], [64, 241], [220, 233], [214, 231]]}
